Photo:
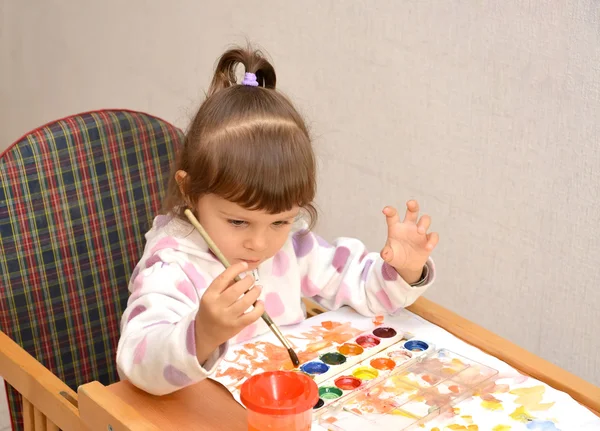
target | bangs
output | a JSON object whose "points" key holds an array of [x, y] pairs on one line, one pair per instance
{"points": [[283, 166]]}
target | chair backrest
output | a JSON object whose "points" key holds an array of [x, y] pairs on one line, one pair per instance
{"points": [[76, 198]]}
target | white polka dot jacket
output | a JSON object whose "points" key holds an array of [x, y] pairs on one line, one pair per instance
{"points": [[157, 348]]}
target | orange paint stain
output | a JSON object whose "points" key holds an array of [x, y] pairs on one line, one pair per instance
{"points": [[378, 320], [260, 356], [429, 379]]}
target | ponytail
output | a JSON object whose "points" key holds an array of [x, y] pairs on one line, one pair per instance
{"points": [[253, 62]]}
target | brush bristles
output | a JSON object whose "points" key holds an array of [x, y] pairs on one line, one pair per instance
{"points": [[294, 358]]}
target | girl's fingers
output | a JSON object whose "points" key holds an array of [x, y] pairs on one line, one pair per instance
{"points": [[226, 278], [412, 211], [387, 253], [424, 224], [240, 306], [392, 218], [252, 315], [236, 290], [432, 240]]}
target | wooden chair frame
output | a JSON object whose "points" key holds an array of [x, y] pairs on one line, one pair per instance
{"points": [[49, 404]]}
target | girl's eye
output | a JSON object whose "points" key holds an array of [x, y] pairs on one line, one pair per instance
{"points": [[281, 223], [236, 222]]}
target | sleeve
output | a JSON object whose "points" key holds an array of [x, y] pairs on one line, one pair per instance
{"points": [[344, 273], [157, 348]]}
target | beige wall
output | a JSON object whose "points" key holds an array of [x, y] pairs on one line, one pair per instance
{"points": [[486, 111]]}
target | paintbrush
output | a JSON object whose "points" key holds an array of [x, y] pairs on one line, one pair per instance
{"points": [[265, 316]]}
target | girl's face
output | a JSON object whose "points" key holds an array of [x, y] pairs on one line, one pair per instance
{"points": [[242, 234]]}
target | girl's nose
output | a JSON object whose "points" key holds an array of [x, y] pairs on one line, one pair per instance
{"points": [[256, 243]]}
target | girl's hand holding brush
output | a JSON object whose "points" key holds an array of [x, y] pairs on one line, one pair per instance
{"points": [[224, 309]]}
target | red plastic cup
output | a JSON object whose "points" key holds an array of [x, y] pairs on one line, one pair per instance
{"points": [[279, 400]]}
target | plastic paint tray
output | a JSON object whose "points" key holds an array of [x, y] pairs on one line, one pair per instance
{"points": [[408, 396], [337, 360], [375, 367]]}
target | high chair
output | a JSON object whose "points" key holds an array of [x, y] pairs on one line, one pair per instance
{"points": [[50, 405], [76, 198]]}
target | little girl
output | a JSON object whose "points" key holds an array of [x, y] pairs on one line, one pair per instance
{"points": [[247, 171]]}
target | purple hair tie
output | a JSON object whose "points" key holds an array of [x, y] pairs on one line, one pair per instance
{"points": [[250, 79]]}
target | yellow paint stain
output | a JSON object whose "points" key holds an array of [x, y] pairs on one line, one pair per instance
{"points": [[531, 398], [473, 428], [502, 428], [456, 427], [522, 415], [468, 419], [403, 413], [435, 429], [492, 405], [456, 410]]}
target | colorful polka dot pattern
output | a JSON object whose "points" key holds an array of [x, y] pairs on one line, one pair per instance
{"points": [[303, 243], [274, 305], [190, 338], [388, 272], [340, 258], [281, 263], [365, 271], [187, 288], [139, 309], [140, 351], [175, 376]]}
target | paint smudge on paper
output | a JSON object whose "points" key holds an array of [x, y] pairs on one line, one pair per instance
{"points": [[542, 426], [522, 415], [502, 428], [378, 320], [456, 427], [492, 405], [467, 419], [488, 400], [260, 356], [492, 388], [531, 398]]}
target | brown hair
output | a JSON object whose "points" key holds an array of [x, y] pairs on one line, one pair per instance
{"points": [[246, 144]]}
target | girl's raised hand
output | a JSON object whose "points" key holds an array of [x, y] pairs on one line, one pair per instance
{"points": [[408, 244]]}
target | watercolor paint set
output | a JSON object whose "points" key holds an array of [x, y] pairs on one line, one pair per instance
{"points": [[334, 361], [408, 395], [361, 375]]}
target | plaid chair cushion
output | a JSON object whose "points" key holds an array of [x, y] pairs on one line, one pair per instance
{"points": [[76, 198]]}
